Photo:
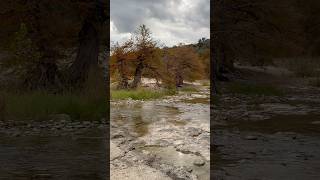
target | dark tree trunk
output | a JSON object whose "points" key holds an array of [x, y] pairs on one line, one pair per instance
{"points": [[137, 75], [88, 52], [214, 71], [179, 80], [215, 36], [89, 40]]}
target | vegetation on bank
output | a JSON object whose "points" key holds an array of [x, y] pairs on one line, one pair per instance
{"points": [[39, 105], [141, 94], [87, 103]]}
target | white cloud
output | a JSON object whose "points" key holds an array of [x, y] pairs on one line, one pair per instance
{"points": [[171, 21], [116, 36]]}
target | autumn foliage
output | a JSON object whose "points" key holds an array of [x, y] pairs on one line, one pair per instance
{"points": [[141, 56]]}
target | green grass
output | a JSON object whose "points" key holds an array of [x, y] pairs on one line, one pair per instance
{"points": [[40, 105], [206, 84], [254, 89], [188, 89], [140, 94]]}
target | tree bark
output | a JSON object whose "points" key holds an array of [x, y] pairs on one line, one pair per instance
{"points": [[89, 40], [87, 55], [179, 79], [137, 75]]}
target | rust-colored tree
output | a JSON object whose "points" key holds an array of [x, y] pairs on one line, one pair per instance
{"points": [[145, 49], [183, 63], [121, 56]]}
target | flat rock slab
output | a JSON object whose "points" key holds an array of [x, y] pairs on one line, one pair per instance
{"points": [[115, 152], [141, 172]]}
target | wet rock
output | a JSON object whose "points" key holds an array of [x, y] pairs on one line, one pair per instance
{"points": [[86, 123], [115, 152], [137, 173], [178, 142], [250, 137], [181, 173], [189, 169], [162, 142], [199, 162], [194, 131], [116, 136]]}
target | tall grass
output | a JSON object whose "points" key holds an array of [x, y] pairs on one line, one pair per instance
{"points": [[40, 105], [87, 103]]}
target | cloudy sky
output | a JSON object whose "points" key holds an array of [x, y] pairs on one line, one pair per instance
{"points": [[170, 21]]}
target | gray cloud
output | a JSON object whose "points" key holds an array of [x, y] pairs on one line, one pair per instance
{"points": [[171, 21]]}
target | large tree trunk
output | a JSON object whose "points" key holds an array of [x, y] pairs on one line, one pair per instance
{"points": [[88, 52], [137, 75], [89, 39]]}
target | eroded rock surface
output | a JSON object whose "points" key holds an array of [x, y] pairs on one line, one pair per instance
{"points": [[169, 137]]}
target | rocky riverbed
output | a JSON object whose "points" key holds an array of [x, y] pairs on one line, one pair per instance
{"points": [[267, 137], [58, 148], [161, 139], [57, 125]]}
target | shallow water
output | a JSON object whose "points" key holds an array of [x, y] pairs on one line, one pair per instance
{"points": [[49, 157], [137, 117], [167, 121]]}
